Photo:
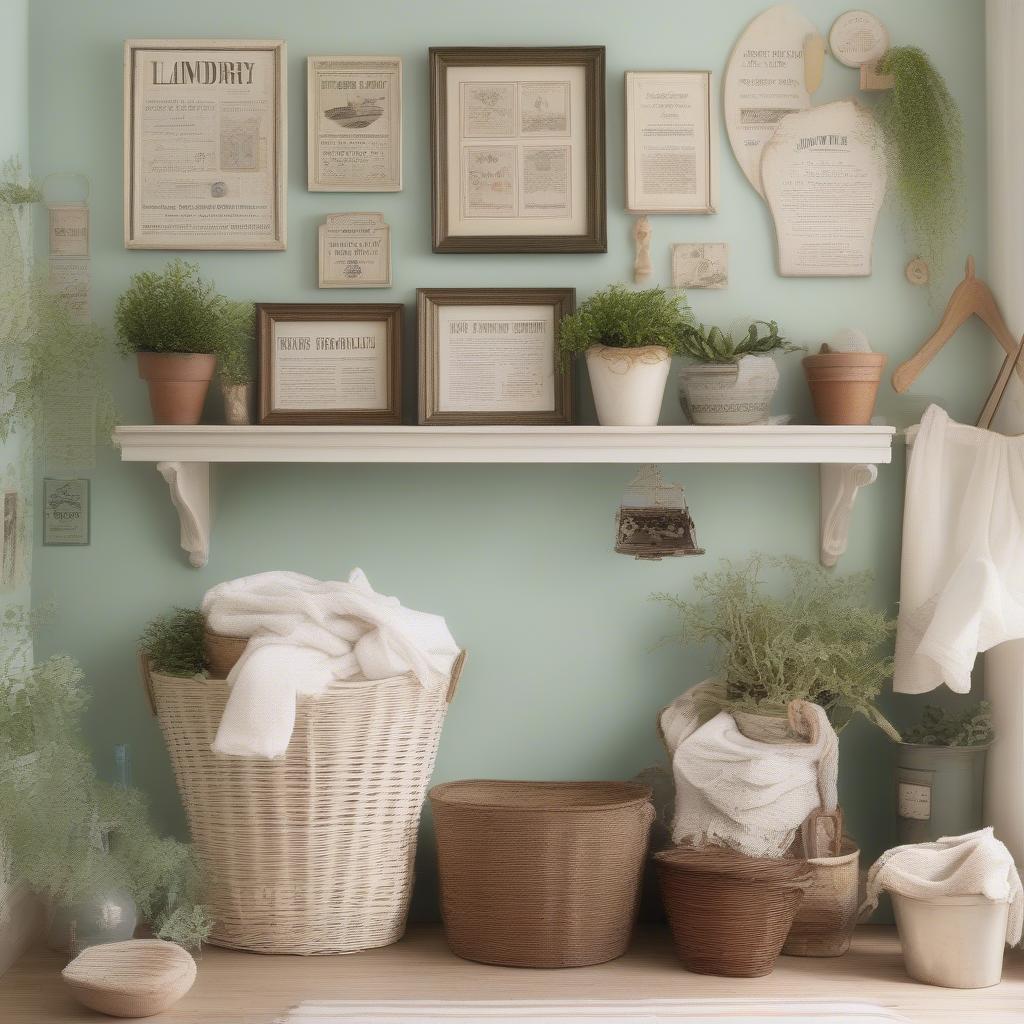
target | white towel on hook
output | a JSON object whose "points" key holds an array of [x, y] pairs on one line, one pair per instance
{"points": [[306, 633]]}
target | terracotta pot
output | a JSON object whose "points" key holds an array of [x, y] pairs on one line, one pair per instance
{"points": [[178, 382], [844, 385], [628, 384], [237, 404]]}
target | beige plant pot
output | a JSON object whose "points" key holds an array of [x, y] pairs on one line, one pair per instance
{"points": [[178, 383], [237, 404], [628, 384], [766, 726], [844, 386]]}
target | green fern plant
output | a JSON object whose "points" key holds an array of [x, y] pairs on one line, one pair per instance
{"points": [[236, 363], [713, 345], [173, 642], [941, 728]]}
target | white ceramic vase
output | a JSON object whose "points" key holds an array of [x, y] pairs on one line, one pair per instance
{"points": [[628, 384], [729, 394]]}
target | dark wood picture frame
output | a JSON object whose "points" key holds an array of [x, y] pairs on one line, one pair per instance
{"points": [[429, 301], [592, 60], [269, 313]]}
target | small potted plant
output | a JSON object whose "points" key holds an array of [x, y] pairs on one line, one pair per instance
{"points": [[730, 382], [940, 773], [173, 321], [628, 338], [844, 385], [236, 364]]}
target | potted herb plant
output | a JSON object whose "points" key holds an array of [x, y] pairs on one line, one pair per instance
{"points": [[628, 338], [940, 773], [236, 364], [173, 321], [819, 640], [730, 381]]}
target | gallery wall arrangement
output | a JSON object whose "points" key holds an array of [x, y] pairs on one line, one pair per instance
{"points": [[502, 313]]}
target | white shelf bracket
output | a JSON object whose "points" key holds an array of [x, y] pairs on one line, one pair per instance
{"points": [[189, 483], [839, 487]]}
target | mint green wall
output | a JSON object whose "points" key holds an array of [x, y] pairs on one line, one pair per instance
{"points": [[564, 679]]}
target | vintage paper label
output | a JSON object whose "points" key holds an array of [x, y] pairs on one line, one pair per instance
{"points": [[65, 511], [700, 265], [69, 230], [70, 277], [355, 251], [914, 801]]}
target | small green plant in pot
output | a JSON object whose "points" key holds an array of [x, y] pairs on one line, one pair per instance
{"points": [[236, 365], [173, 321], [730, 380], [940, 773], [628, 339]]}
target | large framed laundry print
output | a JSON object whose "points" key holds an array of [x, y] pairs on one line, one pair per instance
{"points": [[518, 149], [205, 148]]}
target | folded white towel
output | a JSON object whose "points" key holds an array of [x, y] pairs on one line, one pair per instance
{"points": [[306, 633]]}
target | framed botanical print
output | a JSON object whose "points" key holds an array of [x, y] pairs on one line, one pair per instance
{"points": [[518, 149], [329, 363], [205, 148], [490, 356]]}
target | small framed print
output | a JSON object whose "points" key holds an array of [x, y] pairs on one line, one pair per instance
{"points": [[490, 356], [329, 363], [517, 149], [671, 142], [66, 509], [354, 251]]}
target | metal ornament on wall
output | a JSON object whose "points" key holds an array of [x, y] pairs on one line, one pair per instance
{"points": [[654, 521]]}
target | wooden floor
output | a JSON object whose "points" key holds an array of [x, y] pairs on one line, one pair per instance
{"points": [[243, 988]]}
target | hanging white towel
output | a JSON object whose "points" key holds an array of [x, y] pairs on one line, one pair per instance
{"points": [[306, 633], [962, 576], [976, 864], [739, 792]]}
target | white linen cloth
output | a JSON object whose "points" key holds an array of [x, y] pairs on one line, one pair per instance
{"points": [[962, 575], [306, 633], [743, 793], [976, 864]]}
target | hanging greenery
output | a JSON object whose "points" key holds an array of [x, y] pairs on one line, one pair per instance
{"points": [[924, 141]]}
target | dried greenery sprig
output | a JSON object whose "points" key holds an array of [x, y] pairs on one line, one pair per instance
{"points": [[941, 728], [713, 345]]}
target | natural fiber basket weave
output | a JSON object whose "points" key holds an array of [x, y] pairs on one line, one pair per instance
{"points": [[312, 853], [222, 651], [824, 923], [729, 914], [540, 874]]}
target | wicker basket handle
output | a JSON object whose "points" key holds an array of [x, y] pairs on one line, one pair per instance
{"points": [[810, 832], [147, 681], [453, 683]]}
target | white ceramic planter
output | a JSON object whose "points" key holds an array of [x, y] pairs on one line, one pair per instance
{"points": [[628, 384], [729, 394], [952, 941]]}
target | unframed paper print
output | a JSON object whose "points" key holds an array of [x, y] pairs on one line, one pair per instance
{"points": [[355, 251], [700, 265], [66, 509]]}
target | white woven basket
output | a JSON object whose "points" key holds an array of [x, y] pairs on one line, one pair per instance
{"points": [[312, 853]]}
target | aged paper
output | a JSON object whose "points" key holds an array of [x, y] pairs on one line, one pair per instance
{"points": [[489, 181], [69, 277], [66, 511], [322, 365], [355, 124], [547, 181], [69, 230], [205, 157], [700, 265], [670, 142], [488, 110], [496, 359], [355, 251]]}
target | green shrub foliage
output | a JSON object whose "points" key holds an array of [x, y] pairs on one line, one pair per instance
{"points": [[713, 345], [941, 728], [173, 642]]}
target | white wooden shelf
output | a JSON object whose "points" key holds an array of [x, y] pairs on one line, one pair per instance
{"points": [[848, 456]]}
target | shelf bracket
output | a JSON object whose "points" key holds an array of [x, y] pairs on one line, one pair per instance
{"points": [[839, 487], [189, 483]]}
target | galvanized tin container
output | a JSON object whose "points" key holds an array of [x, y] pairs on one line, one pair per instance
{"points": [[939, 790]]}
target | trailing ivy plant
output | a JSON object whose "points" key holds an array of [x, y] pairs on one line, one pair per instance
{"points": [[237, 358], [173, 642], [924, 141], [820, 641], [713, 345], [941, 728]]}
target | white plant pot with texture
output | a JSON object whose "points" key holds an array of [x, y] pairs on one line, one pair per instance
{"points": [[729, 394], [628, 384]]}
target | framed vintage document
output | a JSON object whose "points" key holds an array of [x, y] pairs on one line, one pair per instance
{"points": [[66, 510], [329, 363], [354, 251], [671, 143], [517, 149], [490, 356], [205, 154], [354, 113]]}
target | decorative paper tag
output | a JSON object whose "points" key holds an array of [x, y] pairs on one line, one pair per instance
{"points": [[65, 512], [914, 801]]}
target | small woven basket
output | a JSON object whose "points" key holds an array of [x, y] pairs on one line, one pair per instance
{"points": [[729, 914], [826, 918], [540, 874]]}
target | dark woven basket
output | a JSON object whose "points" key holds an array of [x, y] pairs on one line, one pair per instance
{"points": [[729, 914], [540, 874]]}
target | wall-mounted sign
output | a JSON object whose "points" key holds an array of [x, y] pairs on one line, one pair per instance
{"points": [[65, 512], [354, 251], [69, 270]]}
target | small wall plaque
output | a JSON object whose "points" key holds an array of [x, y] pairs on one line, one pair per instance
{"points": [[355, 251], [65, 512], [700, 265]]}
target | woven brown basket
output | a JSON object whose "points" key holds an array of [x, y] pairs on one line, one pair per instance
{"points": [[222, 652], [729, 914], [540, 874]]}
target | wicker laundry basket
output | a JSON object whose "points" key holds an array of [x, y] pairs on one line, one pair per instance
{"points": [[540, 874], [312, 853], [825, 920]]}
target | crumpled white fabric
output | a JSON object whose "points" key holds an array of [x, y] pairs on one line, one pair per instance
{"points": [[962, 574], [306, 633], [742, 793], [976, 864]]}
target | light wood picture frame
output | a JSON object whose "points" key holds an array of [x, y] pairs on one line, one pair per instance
{"points": [[489, 356], [518, 149], [225, 188], [335, 363]]}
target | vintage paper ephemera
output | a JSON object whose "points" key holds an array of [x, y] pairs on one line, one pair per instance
{"points": [[204, 145], [824, 178], [65, 512], [69, 271], [700, 265], [355, 124], [355, 251], [671, 142], [69, 230]]}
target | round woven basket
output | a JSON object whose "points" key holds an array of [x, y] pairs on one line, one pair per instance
{"points": [[222, 652], [729, 914], [540, 874], [825, 920]]}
